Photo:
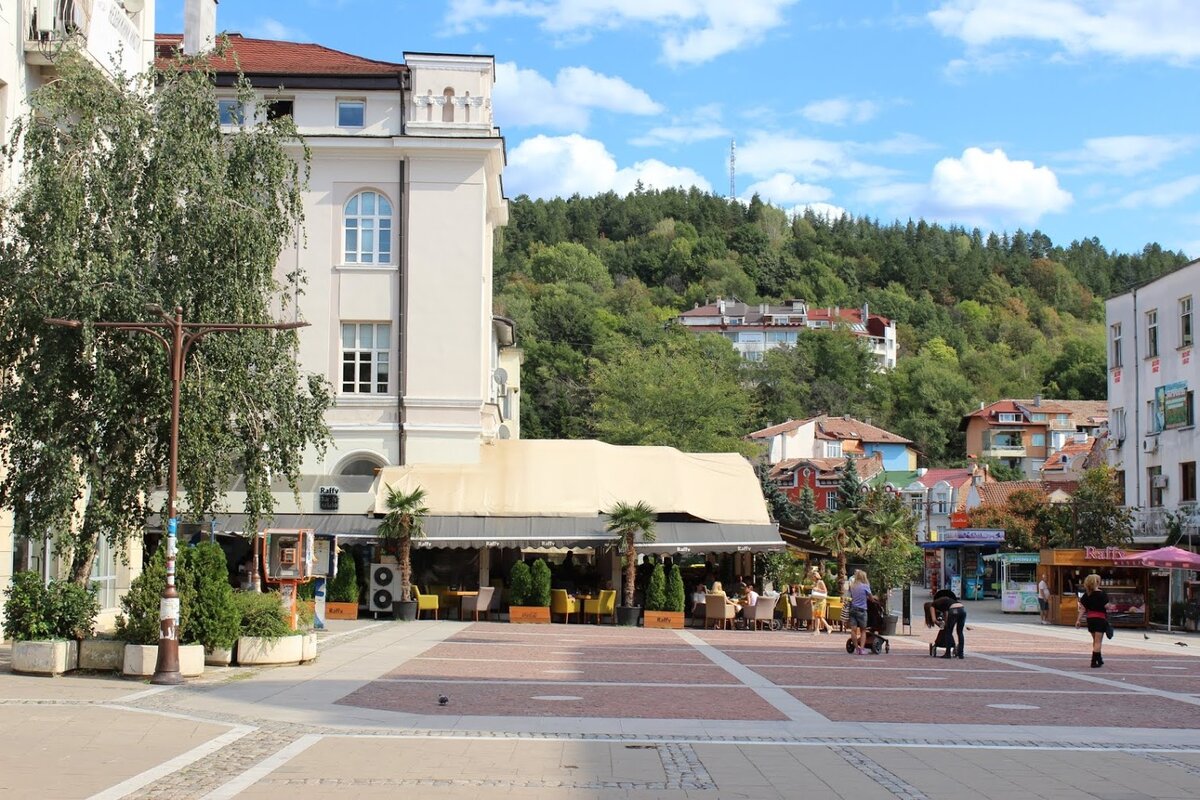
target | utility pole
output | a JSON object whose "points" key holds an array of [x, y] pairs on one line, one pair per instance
{"points": [[177, 338]]}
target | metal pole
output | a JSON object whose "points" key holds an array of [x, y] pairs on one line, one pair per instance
{"points": [[166, 669]]}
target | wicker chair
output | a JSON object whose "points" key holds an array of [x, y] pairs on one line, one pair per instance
{"points": [[717, 611]]}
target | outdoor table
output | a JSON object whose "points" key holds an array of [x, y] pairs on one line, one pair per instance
{"points": [[458, 595]]}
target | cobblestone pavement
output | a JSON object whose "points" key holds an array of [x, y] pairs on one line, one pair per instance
{"points": [[599, 712]]}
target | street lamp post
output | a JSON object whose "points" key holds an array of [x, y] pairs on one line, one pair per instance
{"points": [[176, 337]]}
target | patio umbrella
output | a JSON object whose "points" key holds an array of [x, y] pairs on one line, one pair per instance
{"points": [[1171, 558]]}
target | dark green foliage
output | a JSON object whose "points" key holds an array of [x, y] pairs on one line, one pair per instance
{"points": [[344, 588], [782, 509], [138, 622], [676, 596], [850, 490], [62, 610], [806, 512], [261, 615], [520, 584], [539, 583], [656, 589], [213, 617]]}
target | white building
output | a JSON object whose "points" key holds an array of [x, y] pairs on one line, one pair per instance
{"points": [[1152, 376]]}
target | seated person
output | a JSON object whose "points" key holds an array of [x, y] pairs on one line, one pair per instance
{"points": [[698, 601], [749, 598]]}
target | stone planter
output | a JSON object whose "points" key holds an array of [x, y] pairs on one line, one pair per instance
{"points": [[141, 659], [404, 610], [104, 655], [628, 615], [663, 619], [308, 647], [256, 651], [218, 657], [889, 624], [45, 657], [536, 615], [341, 610]]}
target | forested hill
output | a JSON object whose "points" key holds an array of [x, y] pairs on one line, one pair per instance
{"points": [[593, 282]]}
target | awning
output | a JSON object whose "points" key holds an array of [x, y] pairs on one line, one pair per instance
{"points": [[323, 524]]}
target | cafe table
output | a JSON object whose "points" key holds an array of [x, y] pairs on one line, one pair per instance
{"points": [[458, 595]]}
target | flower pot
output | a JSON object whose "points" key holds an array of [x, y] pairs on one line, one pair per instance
{"points": [[663, 619], [102, 655], [534, 615], [341, 610], [254, 650], [141, 659], [308, 648], [404, 610], [218, 657], [628, 615], [889, 624], [45, 656]]}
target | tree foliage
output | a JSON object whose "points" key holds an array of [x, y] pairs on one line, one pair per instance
{"points": [[630, 524], [132, 194]]}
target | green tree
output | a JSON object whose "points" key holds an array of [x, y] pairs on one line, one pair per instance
{"points": [[840, 534], [132, 194], [539, 584], [850, 487], [520, 584], [344, 588], [806, 513], [1098, 516], [782, 509], [631, 524], [656, 589], [676, 597], [214, 617], [404, 521], [1080, 372], [570, 263]]}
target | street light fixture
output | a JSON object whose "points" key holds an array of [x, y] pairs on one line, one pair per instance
{"points": [[176, 337]]}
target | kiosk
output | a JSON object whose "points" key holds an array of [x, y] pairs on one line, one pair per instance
{"points": [[1018, 581], [288, 554], [1064, 571]]}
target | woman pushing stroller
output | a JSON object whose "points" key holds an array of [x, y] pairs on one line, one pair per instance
{"points": [[947, 606]]}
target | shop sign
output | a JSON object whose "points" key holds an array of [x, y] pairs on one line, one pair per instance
{"points": [[1154, 366], [327, 498], [1103, 553], [979, 535], [958, 519], [1173, 399]]}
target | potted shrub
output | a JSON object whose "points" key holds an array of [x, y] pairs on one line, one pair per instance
{"points": [[342, 599], [630, 523], [402, 524], [529, 593], [46, 623], [266, 635], [658, 605], [213, 621], [138, 623]]}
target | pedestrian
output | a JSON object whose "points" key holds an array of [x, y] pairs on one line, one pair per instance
{"points": [[1093, 607], [955, 615], [844, 593], [860, 592], [820, 594], [1043, 592]]}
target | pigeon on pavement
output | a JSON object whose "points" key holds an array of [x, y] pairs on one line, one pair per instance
{"points": [[1181, 644], [443, 700], [1145, 636]]}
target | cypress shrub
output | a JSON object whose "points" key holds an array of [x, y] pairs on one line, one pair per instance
{"points": [[520, 584], [138, 621], [675, 593], [344, 588], [214, 618], [540, 584], [656, 589]]}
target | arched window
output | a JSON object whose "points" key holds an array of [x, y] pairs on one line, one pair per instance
{"points": [[368, 229], [360, 466]]}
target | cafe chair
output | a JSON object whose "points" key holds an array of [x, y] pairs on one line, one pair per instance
{"points": [[563, 603], [762, 613], [603, 606], [804, 612], [480, 603], [717, 611], [425, 602]]}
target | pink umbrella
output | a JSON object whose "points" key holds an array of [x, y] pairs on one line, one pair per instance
{"points": [[1171, 558]]}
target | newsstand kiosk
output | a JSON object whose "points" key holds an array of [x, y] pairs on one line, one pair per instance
{"points": [[1064, 571]]}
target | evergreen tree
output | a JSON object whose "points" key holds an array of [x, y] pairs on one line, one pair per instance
{"points": [[806, 514], [850, 489]]}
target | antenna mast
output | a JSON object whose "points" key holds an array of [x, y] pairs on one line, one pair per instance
{"points": [[732, 169]]}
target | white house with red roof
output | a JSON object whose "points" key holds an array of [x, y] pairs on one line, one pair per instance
{"points": [[755, 329], [828, 436]]}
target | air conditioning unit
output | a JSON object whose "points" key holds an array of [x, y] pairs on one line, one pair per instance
{"points": [[385, 588], [44, 14], [1150, 445], [1159, 482]]}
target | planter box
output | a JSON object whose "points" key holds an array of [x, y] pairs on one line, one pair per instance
{"points": [[308, 647], [45, 657], [663, 619], [141, 659], [218, 657], [341, 610], [539, 615], [106, 655], [252, 650]]}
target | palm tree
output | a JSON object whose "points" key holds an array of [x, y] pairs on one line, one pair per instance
{"points": [[840, 534], [627, 521], [403, 523]]}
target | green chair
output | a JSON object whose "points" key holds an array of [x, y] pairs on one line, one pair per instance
{"points": [[425, 602]]}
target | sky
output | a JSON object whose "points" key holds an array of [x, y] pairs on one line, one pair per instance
{"points": [[1075, 117]]}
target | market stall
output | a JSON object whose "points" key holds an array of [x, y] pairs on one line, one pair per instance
{"points": [[959, 560], [1171, 558], [1064, 571], [1018, 581]]}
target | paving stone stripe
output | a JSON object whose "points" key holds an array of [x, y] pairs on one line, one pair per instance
{"points": [[1159, 758], [881, 775]]}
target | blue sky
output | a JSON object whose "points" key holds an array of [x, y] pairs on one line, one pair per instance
{"points": [[1076, 117]]}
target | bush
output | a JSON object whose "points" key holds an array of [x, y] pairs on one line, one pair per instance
{"points": [[520, 584], [675, 592], [539, 589], [344, 588], [307, 590], [656, 589], [306, 614], [138, 622], [261, 615], [62, 610], [213, 617]]}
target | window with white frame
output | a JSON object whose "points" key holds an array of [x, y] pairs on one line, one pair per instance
{"points": [[831, 501], [366, 357], [1152, 333], [230, 112], [367, 223], [351, 113], [833, 449], [941, 502], [104, 574], [1116, 346], [1116, 425], [1185, 322], [1006, 416]]}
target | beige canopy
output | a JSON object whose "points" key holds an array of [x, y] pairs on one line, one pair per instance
{"points": [[582, 478]]}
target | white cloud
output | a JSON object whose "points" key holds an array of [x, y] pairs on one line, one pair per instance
{"points": [[782, 189], [690, 31], [809, 159], [839, 111], [990, 186], [698, 125], [525, 97], [1162, 196], [548, 166], [1132, 29], [1127, 155], [271, 28], [825, 210]]}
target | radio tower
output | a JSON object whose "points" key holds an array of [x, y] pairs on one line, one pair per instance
{"points": [[732, 169]]}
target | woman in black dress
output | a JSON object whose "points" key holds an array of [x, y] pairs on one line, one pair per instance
{"points": [[951, 610], [1093, 607]]}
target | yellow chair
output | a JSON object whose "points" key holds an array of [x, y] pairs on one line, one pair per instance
{"points": [[784, 605], [425, 602], [603, 606], [563, 603], [833, 612]]}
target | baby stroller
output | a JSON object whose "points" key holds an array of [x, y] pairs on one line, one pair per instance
{"points": [[875, 640]]}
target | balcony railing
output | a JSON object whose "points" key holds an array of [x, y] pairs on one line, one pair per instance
{"points": [[51, 21], [1004, 451]]}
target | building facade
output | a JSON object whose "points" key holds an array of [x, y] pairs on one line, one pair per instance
{"points": [[827, 436], [753, 330], [823, 476], [1152, 377], [1023, 434]]}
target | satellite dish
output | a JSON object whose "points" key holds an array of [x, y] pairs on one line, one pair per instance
{"points": [[134, 6], [500, 375], [503, 432]]}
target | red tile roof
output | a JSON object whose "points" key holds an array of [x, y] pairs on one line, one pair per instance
{"points": [[867, 468], [834, 428], [998, 492], [775, 430], [954, 477], [270, 57]]}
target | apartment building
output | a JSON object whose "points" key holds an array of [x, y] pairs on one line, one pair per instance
{"points": [[1023, 434], [828, 436], [753, 330], [1152, 378]]}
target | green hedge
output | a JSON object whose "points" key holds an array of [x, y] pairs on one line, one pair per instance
{"points": [[539, 574], [261, 615], [344, 587], [62, 610], [520, 584], [656, 589], [676, 596]]}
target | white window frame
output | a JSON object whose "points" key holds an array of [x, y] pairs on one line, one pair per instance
{"points": [[831, 501], [1117, 361], [1186, 333], [1117, 424], [235, 106], [378, 360], [378, 223], [1152, 333], [1008, 416], [337, 111], [833, 449], [103, 580], [1033, 440]]}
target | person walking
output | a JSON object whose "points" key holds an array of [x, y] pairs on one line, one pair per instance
{"points": [[955, 615], [820, 594], [860, 592], [1093, 607], [1043, 592]]}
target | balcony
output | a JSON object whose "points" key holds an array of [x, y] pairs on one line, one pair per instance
{"points": [[1001, 450], [103, 29], [48, 25]]}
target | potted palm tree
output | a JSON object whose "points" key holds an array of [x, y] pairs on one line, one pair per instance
{"points": [[629, 524], [403, 523]]}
